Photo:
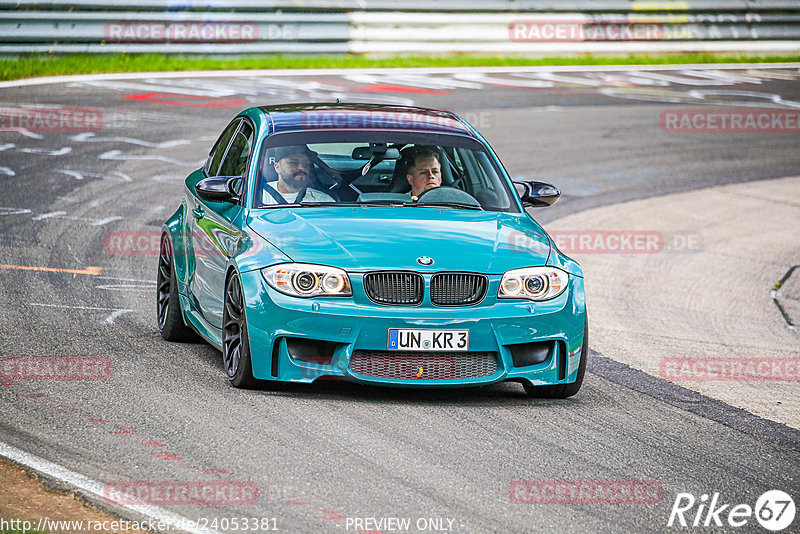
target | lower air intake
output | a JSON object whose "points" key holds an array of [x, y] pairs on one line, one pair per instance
{"points": [[424, 365]]}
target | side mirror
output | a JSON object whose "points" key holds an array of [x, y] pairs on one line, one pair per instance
{"points": [[537, 194], [218, 189]]}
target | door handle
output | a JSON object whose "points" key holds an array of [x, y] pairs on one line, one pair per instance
{"points": [[198, 213]]}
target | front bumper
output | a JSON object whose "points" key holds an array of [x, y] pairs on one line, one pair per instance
{"points": [[357, 324]]}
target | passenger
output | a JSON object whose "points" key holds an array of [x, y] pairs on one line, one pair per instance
{"points": [[293, 165]]}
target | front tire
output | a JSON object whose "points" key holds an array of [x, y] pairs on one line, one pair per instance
{"points": [[562, 391], [235, 341], [168, 307]]}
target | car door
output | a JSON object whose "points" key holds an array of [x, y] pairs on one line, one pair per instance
{"points": [[214, 230]]}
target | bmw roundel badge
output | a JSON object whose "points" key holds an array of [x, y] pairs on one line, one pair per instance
{"points": [[425, 260]]}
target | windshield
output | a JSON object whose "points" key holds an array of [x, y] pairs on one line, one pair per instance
{"points": [[400, 170]]}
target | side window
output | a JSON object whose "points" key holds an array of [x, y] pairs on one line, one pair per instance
{"points": [[220, 147], [239, 152]]}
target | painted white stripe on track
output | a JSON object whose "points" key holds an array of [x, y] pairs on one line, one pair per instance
{"points": [[45, 80], [94, 489]]}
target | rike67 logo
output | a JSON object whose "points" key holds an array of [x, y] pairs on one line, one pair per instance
{"points": [[774, 510]]}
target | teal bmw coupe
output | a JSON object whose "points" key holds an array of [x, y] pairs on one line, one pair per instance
{"points": [[375, 244]]}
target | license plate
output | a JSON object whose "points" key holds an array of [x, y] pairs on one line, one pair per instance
{"points": [[412, 339]]}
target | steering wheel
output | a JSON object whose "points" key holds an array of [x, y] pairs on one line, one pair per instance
{"points": [[447, 194]]}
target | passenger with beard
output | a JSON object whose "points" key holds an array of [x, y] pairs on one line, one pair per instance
{"points": [[293, 165]]}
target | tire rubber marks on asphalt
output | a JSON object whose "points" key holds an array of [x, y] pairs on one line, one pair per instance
{"points": [[115, 314], [157, 449]]}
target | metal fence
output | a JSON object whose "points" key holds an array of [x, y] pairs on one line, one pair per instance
{"points": [[389, 27]]}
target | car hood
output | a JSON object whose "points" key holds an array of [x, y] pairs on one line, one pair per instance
{"points": [[370, 238]]}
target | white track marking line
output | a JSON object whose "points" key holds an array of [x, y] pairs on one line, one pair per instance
{"points": [[118, 155], [90, 137], [75, 174], [14, 211], [80, 175], [107, 220], [126, 279], [113, 316], [48, 215], [23, 131], [125, 287], [338, 72], [90, 308], [6, 146], [94, 489], [60, 152], [7, 171]]}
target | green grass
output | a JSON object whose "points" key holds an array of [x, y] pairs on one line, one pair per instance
{"points": [[27, 66]]}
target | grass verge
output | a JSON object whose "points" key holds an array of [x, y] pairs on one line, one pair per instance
{"points": [[27, 66]]}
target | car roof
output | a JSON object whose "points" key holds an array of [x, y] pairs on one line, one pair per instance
{"points": [[361, 117]]}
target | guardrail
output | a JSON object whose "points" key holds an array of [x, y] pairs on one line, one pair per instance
{"points": [[470, 6], [365, 26]]}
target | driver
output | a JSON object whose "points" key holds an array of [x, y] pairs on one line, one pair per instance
{"points": [[293, 165], [424, 171]]}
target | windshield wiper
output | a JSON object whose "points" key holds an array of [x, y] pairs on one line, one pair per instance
{"points": [[444, 205]]}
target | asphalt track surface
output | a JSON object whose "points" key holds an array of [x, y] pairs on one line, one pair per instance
{"points": [[325, 455]]}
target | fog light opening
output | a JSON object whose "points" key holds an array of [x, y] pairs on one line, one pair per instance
{"points": [[311, 350], [526, 354]]}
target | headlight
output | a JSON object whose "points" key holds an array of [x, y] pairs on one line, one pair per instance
{"points": [[306, 280], [534, 283]]}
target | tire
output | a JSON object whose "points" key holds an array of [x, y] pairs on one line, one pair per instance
{"points": [[168, 307], [235, 341], [562, 391]]}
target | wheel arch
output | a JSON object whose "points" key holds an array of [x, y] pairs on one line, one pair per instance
{"points": [[174, 228]]}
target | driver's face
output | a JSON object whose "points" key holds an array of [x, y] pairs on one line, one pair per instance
{"points": [[425, 174], [293, 171]]}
